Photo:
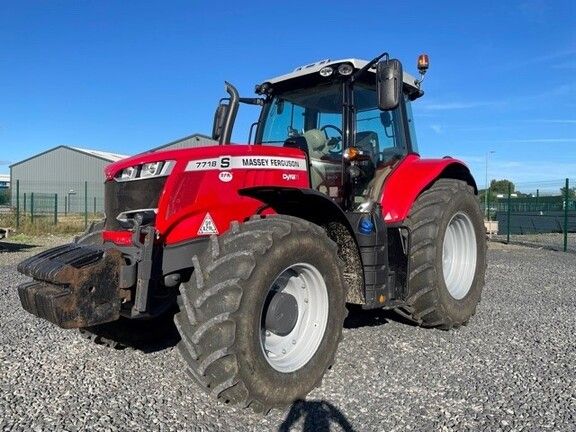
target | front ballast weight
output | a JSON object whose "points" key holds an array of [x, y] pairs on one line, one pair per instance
{"points": [[86, 283], [74, 285]]}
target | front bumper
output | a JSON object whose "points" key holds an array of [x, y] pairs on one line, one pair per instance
{"points": [[74, 285]]}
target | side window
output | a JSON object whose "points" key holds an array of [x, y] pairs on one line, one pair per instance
{"points": [[378, 132], [412, 128], [381, 138], [284, 119]]}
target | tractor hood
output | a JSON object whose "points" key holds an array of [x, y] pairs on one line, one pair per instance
{"points": [[193, 192], [180, 156]]}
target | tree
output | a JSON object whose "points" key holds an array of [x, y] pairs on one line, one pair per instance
{"points": [[571, 192], [501, 186]]}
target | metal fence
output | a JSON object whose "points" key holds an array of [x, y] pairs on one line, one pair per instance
{"points": [[541, 214], [30, 203]]}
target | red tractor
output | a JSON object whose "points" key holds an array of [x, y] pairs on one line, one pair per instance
{"points": [[262, 245]]}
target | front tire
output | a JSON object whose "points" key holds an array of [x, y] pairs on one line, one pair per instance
{"points": [[447, 256], [262, 315]]}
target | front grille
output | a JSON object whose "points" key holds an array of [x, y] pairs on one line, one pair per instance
{"points": [[130, 195]]}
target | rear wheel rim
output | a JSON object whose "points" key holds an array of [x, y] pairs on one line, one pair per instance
{"points": [[459, 255], [291, 352]]}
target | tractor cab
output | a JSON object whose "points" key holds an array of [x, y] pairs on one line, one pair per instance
{"points": [[336, 112]]}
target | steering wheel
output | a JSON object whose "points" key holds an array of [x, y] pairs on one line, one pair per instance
{"points": [[334, 143]]}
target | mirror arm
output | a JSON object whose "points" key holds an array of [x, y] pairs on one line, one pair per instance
{"points": [[252, 101], [370, 64]]}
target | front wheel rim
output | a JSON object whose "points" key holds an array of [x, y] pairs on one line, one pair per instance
{"points": [[291, 352], [459, 255]]}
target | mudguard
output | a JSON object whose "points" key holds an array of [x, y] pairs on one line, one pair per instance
{"points": [[304, 203], [411, 177]]}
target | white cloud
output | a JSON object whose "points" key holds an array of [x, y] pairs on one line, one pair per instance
{"points": [[526, 174], [443, 106], [437, 128], [538, 141], [557, 121]]}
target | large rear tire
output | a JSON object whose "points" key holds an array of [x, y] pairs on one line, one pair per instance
{"points": [[262, 316], [447, 256]]}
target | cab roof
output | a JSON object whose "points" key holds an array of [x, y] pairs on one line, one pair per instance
{"points": [[313, 68]]}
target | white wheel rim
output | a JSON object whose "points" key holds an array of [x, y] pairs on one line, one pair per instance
{"points": [[289, 353], [459, 254]]}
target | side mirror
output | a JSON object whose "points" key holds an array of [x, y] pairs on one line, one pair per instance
{"points": [[389, 79], [219, 120]]}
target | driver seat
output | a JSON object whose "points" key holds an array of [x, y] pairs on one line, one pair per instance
{"points": [[316, 141], [367, 141]]}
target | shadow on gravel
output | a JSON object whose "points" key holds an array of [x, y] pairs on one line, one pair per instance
{"points": [[15, 247], [147, 336], [318, 416], [370, 318]]}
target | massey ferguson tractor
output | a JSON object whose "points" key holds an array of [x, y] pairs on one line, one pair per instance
{"points": [[262, 245]]}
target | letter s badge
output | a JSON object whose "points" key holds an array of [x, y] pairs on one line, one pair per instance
{"points": [[225, 162]]}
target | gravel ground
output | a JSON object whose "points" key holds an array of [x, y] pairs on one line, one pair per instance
{"points": [[512, 368], [553, 241]]}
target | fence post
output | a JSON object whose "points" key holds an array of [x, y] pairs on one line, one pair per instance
{"points": [[488, 206], [65, 205], [509, 212], [85, 204], [17, 204], [55, 209], [32, 207], [566, 198], [94, 206], [24, 204]]}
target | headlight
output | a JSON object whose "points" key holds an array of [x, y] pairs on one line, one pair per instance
{"points": [[128, 173], [345, 69], [326, 71], [151, 169], [147, 170]]}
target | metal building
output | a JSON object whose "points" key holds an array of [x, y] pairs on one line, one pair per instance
{"points": [[72, 178], [69, 177], [195, 140]]}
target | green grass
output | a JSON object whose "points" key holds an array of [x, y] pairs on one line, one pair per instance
{"points": [[20, 238], [44, 224]]}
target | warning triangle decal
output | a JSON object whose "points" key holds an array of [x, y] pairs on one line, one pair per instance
{"points": [[208, 226]]}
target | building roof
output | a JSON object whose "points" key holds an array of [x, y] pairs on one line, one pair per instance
{"points": [[109, 157], [112, 157], [189, 137]]}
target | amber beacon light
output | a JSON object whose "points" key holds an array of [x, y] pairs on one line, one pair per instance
{"points": [[423, 63]]}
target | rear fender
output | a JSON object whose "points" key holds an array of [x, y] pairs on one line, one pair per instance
{"points": [[413, 176]]}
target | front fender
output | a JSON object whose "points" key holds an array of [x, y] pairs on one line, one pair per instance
{"points": [[304, 203], [414, 175]]}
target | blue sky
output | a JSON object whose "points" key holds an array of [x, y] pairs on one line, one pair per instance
{"points": [[124, 76]]}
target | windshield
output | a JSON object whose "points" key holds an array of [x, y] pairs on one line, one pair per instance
{"points": [[316, 114], [304, 112]]}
